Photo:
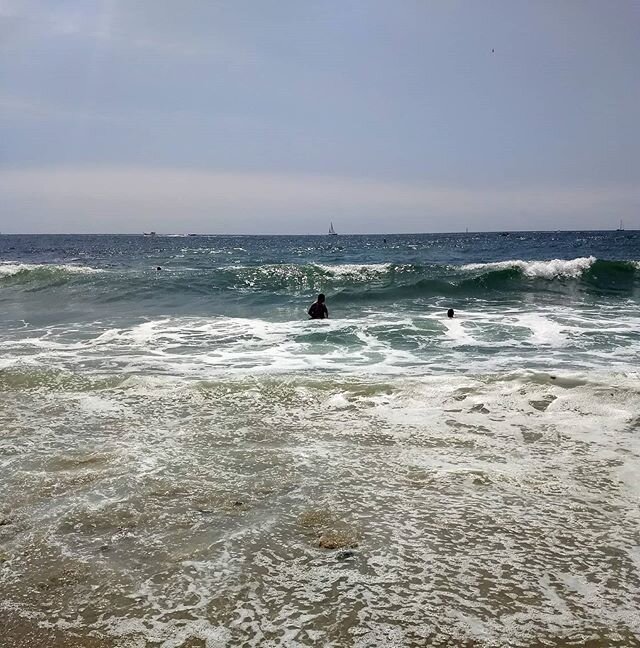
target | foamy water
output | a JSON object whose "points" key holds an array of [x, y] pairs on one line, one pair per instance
{"points": [[545, 269], [377, 344], [188, 461], [10, 269], [162, 510]]}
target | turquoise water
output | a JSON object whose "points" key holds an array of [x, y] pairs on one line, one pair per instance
{"points": [[186, 457]]}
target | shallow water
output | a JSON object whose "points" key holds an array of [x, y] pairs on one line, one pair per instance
{"points": [[187, 461]]}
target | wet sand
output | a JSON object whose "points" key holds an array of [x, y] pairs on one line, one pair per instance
{"points": [[20, 632]]}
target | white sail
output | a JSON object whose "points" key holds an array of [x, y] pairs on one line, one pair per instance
{"points": [[331, 230]]}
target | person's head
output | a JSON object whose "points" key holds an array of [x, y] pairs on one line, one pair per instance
{"points": [[450, 312], [321, 298]]}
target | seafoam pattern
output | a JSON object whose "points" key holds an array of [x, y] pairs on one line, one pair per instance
{"points": [[479, 340], [543, 269], [8, 269], [485, 509]]}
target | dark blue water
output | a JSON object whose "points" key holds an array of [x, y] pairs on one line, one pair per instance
{"points": [[123, 251], [274, 277]]}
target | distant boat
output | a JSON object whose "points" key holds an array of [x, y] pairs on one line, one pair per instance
{"points": [[149, 234], [332, 232], [621, 228]]}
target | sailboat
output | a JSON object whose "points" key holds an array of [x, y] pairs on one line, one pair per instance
{"points": [[621, 228], [332, 232]]}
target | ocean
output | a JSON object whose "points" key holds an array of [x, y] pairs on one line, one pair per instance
{"points": [[188, 460]]}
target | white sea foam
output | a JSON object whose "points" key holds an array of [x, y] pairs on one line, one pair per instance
{"points": [[363, 272], [355, 269], [544, 269], [187, 512], [8, 269], [544, 330], [377, 344]]}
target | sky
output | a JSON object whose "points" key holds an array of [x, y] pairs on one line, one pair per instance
{"points": [[280, 116]]}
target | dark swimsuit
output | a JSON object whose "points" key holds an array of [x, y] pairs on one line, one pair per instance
{"points": [[318, 311]]}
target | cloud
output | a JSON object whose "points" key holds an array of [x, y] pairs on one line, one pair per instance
{"points": [[129, 199], [20, 108], [146, 30]]}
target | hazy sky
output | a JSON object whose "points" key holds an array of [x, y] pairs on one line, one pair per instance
{"points": [[278, 116]]}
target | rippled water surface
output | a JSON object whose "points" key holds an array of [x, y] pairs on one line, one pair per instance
{"points": [[188, 461]]}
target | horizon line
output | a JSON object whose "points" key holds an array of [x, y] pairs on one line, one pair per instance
{"points": [[195, 235]]}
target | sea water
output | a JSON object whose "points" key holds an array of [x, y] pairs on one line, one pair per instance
{"points": [[188, 460]]}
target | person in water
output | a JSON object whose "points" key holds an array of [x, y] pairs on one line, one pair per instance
{"points": [[318, 310], [450, 313]]}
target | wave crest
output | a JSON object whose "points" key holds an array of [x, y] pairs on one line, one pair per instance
{"points": [[42, 270], [542, 269], [345, 282]]}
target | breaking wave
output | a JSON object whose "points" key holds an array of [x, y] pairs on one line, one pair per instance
{"points": [[379, 281], [41, 272], [543, 269]]}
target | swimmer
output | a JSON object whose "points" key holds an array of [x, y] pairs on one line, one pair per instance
{"points": [[318, 310], [450, 313]]}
